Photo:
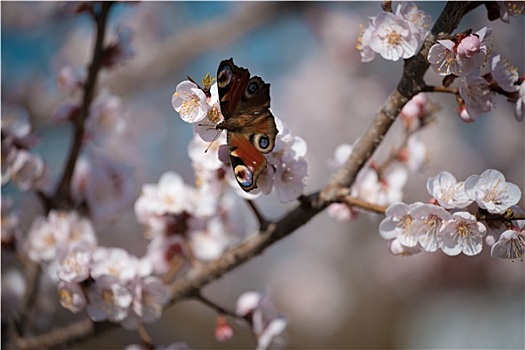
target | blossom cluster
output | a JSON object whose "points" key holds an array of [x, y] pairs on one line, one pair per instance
{"points": [[384, 184], [463, 56], [181, 218], [19, 166], [286, 164], [394, 35], [109, 283], [445, 224]]}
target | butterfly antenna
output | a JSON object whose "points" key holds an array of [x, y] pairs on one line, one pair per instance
{"points": [[214, 139], [209, 126]]}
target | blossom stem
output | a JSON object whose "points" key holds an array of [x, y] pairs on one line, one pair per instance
{"points": [[144, 335], [347, 199], [219, 309], [263, 223], [444, 89]]}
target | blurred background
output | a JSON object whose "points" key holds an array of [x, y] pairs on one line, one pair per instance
{"points": [[336, 282]]}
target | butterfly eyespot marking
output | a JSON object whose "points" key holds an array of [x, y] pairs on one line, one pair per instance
{"points": [[243, 175], [261, 142], [252, 88], [264, 142], [225, 76]]}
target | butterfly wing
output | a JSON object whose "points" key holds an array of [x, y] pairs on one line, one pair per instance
{"points": [[247, 162], [245, 103]]}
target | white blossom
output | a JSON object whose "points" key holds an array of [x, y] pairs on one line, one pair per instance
{"points": [[397, 224], [449, 193], [115, 262], [417, 19], [190, 102], [427, 225], [396, 248], [71, 296], [492, 192], [75, 265], [510, 8], [463, 234], [505, 74], [475, 91], [392, 37], [109, 299], [519, 108], [511, 245]]}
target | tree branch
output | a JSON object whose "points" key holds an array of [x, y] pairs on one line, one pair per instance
{"points": [[62, 196]]}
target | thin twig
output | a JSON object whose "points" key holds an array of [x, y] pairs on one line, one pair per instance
{"points": [[144, 336], [59, 336], [347, 199], [263, 223], [219, 309], [449, 90], [62, 196]]}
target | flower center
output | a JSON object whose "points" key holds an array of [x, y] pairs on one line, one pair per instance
{"points": [[463, 230], [493, 193], [393, 38]]}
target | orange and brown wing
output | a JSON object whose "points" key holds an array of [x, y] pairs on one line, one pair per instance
{"points": [[247, 162]]}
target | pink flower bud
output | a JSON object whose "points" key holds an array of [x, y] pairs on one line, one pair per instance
{"points": [[223, 330], [469, 46]]}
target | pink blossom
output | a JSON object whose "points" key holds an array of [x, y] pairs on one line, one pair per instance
{"points": [[223, 331], [341, 212], [476, 94], [109, 299], [463, 57]]}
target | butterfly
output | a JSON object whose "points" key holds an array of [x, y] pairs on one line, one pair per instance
{"points": [[249, 124]]}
